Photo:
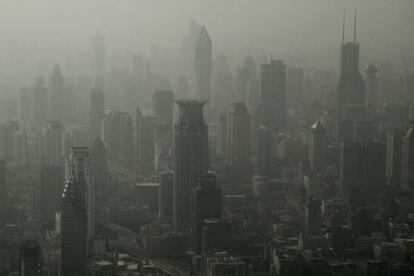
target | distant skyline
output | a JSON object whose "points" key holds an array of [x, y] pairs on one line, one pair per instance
{"points": [[295, 29]]}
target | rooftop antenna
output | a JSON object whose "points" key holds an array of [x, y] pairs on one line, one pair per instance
{"points": [[343, 28], [355, 26]]}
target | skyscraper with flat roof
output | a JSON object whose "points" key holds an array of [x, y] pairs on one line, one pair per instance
{"points": [[272, 104], [191, 160]]}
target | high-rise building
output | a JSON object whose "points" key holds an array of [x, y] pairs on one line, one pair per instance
{"points": [[51, 184], [8, 129], [407, 159], [145, 143], [39, 107], [73, 229], [272, 104], [372, 86], [3, 186], [207, 205], [127, 154], [24, 108], [96, 114], [313, 216], [162, 106], [79, 165], [351, 85], [238, 135], [20, 149], [244, 75], [52, 143], [111, 132], [99, 60], [30, 259], [264, 152], [203, 64], [318, 148], [166, 191], [393, 161], [57, 105], [191, 159], [295, 87], [362, 169], [99, 172]]}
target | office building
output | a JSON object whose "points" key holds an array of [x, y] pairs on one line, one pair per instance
{"points": [[371, 87], [166, 193], [39, 106], [73, 229], [51, 187], [52, 143], [272, 105], [96, 114], [162, 106], [264, 160], [30, 259], [207, 205], [318, 148], [191, 160]]}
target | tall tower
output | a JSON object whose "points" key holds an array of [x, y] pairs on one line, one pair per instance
{"points": [[238, 135], [372, 86], [127, 142], [79, 165], [264, 152], [203, 63], [162, 106], [73, 233], [318, 148], [99, 60], [52, 143], [96, 114], [39, 108], [207, 205], [30, 259], [51, 182], [56, 109], [351, 85], [272, 104], [191, 159], [99, 172]]}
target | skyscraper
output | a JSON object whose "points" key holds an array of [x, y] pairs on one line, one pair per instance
{"points": [[295, 87], [372, 86], [96, 114], [57, 108], [238, 135], [24, 108], [73, 230], [393, 161], [264, 152], [39, 107], [99, 172], [52, 143], [79, 165], [30, 259], [362, 170], [99, 60], [166, 191], [191, 159], [203, 63], [351, 85], [127, 154], [51, 183], [162, 105], [145, 143], [207, 205], [318, 148], [3, 187], [272, 104]]}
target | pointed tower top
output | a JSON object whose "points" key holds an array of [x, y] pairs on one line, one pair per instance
{"points": [[355, 26], [343, 27]]}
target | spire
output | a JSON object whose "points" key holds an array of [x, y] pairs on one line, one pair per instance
{"points": [[355, 25], [343, 28]]}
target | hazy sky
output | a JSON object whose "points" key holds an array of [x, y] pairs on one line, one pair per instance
{"points": [[281, 27]]}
